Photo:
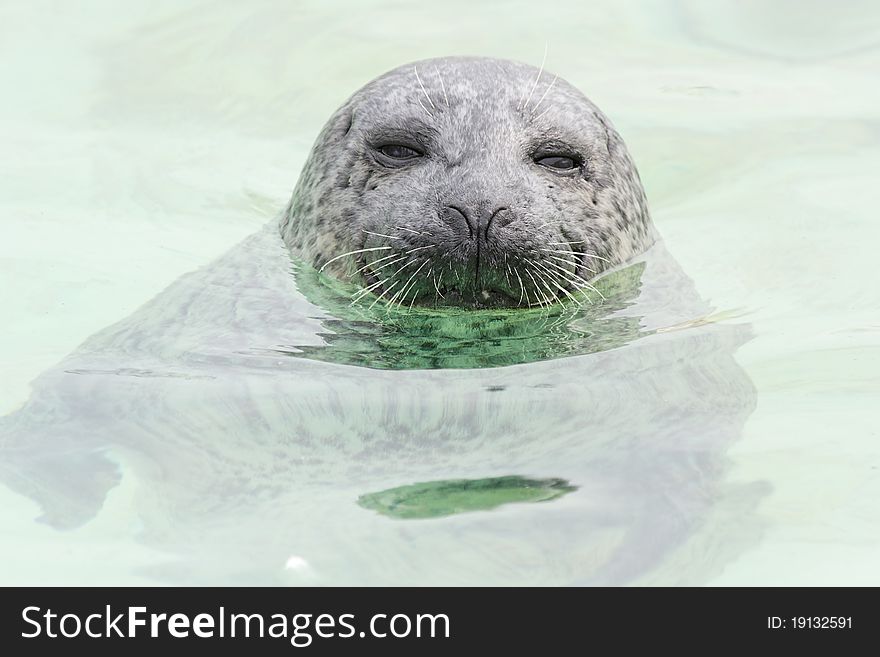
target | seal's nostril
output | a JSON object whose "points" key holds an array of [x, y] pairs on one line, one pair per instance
{"points": [[499, 219], [477, 219], [457, 218]]}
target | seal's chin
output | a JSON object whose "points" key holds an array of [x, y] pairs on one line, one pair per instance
{"points": [[488, 298]]}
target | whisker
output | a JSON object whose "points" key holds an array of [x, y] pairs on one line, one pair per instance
{"points": [[580, 253], [394, 262], [561, 287], [546, 91], [362, 293], [537, 287], [569, 294], [583, 284], [540, 70], [411, 303], [546, 109], [597, 257], [522, 289], [566, 271], [424, 90], [558, 251], [375, 248], [442, 86], [384, 292], [369, 265], [391, 300], [427, 260], [402, 298], [544, 282], [403, 266], [571, 262], [586, 253], [596, 290], [390, 237], [437, 286]]}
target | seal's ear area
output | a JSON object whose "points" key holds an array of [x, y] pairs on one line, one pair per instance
{"points": [[339, 125], [618, 155], [620, 172]]}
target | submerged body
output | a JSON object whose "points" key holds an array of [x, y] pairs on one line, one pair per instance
{"points": [[231, 459], [468, 181]]}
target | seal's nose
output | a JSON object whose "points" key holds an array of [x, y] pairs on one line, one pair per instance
{"points": [[477, 220]]}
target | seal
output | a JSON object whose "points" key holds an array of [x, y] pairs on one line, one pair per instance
{"points": [[471, 182], [232, 463]]}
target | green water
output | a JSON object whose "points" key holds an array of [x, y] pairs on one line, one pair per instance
{"points": [[375, 335], [434, 499], [142, 141]]}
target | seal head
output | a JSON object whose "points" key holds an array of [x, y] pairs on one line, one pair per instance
{"points": [[468, 182]]}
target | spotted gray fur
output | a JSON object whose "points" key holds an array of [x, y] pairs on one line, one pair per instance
{"points": [[475, 219]]}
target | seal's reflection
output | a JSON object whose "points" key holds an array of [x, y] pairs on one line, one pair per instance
{"points": [[243, 456], [395, 338], [433, 499]]}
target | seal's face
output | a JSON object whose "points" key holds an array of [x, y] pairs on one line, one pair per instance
{"points": [[468, 182]]}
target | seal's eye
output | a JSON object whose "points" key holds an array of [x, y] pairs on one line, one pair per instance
{"points": [[558, 162], [399, 152]]}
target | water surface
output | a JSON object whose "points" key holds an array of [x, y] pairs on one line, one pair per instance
{"points": [[716, 423]]}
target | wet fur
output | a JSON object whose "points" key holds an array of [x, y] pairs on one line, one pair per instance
{"points": [[479, 122]]}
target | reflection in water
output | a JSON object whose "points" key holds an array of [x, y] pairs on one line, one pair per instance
{"points": [[242, 456], [432, 499], [426, 338]]}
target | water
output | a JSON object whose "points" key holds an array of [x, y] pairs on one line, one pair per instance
{"points": [[713, 422]]}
